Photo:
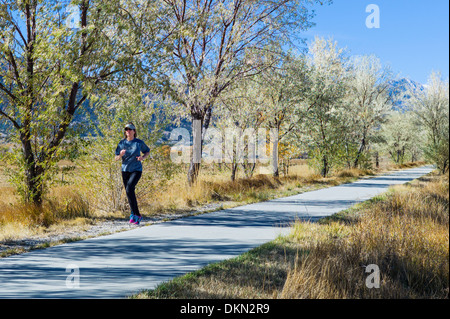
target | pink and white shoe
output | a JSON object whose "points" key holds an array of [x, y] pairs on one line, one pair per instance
{"points": [[134, 219]]}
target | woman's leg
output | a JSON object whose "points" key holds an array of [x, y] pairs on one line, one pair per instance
{"points": [[130, 180]]}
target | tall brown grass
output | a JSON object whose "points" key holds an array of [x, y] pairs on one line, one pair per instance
{"points": [[18, 219], [214, 185], [406, 234]]}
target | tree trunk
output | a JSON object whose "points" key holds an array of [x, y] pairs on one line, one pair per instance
{"points": [[33, 173], [197, 148], [444, 167], [194, 169], [275, 160], [360, 150], [325, 167], [249, 169], [234, 167], [194, 166], [200, 124]]}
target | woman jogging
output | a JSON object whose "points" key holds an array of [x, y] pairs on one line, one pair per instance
{"points": [[129, 150]]}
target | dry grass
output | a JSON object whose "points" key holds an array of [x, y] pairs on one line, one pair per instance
{"points": [[354, 172], [405, 232], [408, 165], [19, 220], [214, 185]]}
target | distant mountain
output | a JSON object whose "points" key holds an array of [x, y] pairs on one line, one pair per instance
{"points": [[400, 91]]}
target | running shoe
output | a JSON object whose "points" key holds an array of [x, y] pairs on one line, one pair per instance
{"points": [[137, 219]]}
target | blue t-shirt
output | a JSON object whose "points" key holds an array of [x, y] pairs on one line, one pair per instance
{"points": [[133, 150]]}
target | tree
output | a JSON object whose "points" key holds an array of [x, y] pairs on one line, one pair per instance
{"points": [[212, 44], [399, 135], [267, 101], [323, 111], [369, 99], [283, 87], [432, 108], [239, 111], [49, 69]]}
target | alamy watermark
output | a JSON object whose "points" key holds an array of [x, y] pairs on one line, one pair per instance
{"points": [[373, 19], [373, 280], [229, 145], [73, 279], [74, 17]]}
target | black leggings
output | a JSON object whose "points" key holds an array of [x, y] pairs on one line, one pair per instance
{"points": [[130, 180]]}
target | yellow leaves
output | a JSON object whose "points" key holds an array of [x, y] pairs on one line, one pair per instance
{"points": [[288, 150]]}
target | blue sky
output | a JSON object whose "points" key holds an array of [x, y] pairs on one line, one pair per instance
{"points": [[413, 38]]}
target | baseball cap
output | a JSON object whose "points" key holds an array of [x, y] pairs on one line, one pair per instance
{"points": [[130, 126]]}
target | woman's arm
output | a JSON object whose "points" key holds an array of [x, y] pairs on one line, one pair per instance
{"points": [[145, 150], [122, 153], [141, 158]]}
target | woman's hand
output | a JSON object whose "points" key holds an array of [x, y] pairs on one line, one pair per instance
{"points": [[141, 158], [121, 154]]}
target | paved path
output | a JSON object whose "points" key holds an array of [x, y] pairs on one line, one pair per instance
{"points": [[118, 265]]}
